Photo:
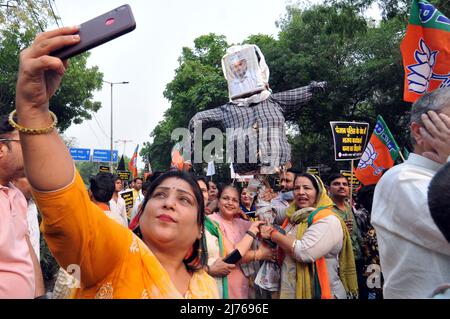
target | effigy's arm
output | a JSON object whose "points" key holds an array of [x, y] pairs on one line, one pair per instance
{"points": [[292, 100], [202, 120], [208, 117]]}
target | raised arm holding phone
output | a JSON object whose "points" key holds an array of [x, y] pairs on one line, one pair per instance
{"points": [[112, 261]]}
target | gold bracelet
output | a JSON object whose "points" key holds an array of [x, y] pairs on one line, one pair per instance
{"points": [[33, 131], [293, 246]]}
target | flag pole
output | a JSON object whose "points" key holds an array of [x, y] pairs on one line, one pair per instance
{"points": [[351, 182], [401, 155]]}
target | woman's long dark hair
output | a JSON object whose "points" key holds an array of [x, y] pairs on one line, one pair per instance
{"points": [[199, 254]]}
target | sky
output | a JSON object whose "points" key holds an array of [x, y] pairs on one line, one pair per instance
{"points": [[147, 58]]}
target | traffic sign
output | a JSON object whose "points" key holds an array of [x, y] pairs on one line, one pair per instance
{"points": [[80, 154], [104, 156]]}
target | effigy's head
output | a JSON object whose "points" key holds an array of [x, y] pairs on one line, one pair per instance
{"points": [[245, 70]]}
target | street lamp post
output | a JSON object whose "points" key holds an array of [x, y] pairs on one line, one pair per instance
{"points": [[111, 158], [124, 144]]}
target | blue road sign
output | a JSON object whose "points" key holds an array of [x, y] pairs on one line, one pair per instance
{"points": [[80, 154], [104, 156]]}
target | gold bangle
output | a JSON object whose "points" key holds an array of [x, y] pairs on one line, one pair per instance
{"points": [[33, 131], [293, 246]]}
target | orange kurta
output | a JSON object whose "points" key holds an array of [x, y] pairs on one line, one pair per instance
{"points": [[113, 262]]}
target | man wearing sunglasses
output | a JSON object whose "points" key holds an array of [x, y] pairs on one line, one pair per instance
{"points": [[20, 272]]}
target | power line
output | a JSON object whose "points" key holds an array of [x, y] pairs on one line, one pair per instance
{"points": [[53, 12], [35, 17], [100, 126], [98, 140]]}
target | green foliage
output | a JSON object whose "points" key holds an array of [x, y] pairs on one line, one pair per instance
{"points": [[19, 25], [332, 42], [25, 14], [198, 85], [391, 9]]}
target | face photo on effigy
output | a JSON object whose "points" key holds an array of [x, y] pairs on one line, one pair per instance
{"points": [[243, 73]]}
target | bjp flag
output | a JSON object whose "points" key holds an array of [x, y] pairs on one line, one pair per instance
{"points": [[426, 51], [177, 159], [379, 155], [132, 165]]}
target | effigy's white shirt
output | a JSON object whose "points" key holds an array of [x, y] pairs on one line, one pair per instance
{"points": [[414, 255]]}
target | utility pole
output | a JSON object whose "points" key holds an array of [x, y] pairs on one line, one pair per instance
{"points": [[112, 155]]}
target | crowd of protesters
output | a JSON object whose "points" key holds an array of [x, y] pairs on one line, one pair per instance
{"points": [[187, 237]]}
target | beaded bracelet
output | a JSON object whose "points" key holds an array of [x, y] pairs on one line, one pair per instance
{"points": [[33, 131]]}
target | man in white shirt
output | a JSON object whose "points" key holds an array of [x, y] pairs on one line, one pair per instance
{"points": [[139, 200], [117, 203], [439, 203], [414, 255], [101, 190], [286, 194]]}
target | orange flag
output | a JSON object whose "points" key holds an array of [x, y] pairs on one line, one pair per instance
{"points": [[132, 165], [426, 51], [177, 159], [379, 155]]}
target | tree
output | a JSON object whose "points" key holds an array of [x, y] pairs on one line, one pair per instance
{"points": [[19, 25], [198, 85], [26, 14], [392, 9], [333, 42]]}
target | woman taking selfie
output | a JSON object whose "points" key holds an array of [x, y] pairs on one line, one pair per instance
{"points": [[112, 262]]}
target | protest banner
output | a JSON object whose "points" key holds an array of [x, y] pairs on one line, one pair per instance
{"points": [[128, 198], [104, 169], [315, 170], [353, 181], [124, 175], [349, 139], [349, 142]]}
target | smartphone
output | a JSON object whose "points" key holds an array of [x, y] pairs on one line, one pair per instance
{"points": [[233, 257], [99, 30]]}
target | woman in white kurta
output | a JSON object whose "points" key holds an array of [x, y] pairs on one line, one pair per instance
{"points": [[313, 245]]}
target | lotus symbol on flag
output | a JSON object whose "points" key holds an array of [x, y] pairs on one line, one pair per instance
{"points": [[422, 73], [368, 158]]}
